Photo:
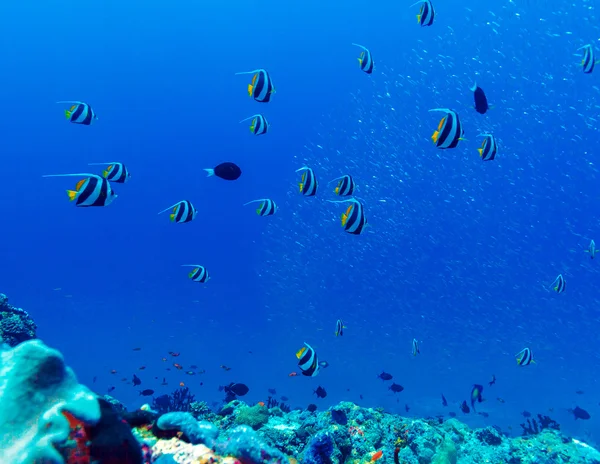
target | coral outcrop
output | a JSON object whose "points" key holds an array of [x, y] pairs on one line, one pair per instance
{"points": [[16, 325]]}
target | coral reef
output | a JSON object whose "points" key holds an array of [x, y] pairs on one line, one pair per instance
{"points": [[46, 416], [39, 400], [16, 326]]}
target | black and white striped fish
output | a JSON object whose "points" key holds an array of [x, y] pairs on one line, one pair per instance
{"points": [[308, 183], [261, 88], [308, 361], [559, 285], [588, 61], [354, 220], [259, 125], [345, 186], [365, 60], [489, 147], [115, 172], [266, 208], [427, 13], [79, 113], [339, 328], [592, 249], [524, 357], [449, 131], [93, 190], [183, 211], [199, 274]]}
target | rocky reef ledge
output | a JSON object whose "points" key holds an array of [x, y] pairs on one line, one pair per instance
{"points": [[47, 416]]}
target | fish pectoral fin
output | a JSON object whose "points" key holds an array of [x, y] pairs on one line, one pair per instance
{"points": [[250, 89], [435, 136], [72, 194]]}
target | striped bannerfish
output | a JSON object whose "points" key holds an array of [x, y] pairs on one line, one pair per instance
{"points": [[183, 211], [592, 249], [115, 172], [199, 274], [267, 208], [427, 13], [353, 220], [339, 328], [91, 191], [261, 87], [489, 147], [308, 361], [345, 186], [415, 347], [308, 183], [366, 59], [79, 113], [524, 357], [449, 131], [259, 125], [559, 285], [589, 58]]}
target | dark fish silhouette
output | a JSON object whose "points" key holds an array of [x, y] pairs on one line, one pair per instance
{"points": [[238, 389], [385, 376], [311, 407], [320, 392], [580, 413], [396, 388], [526, 414], [493, 381], [284, 398], [147, 392], [136, 380], [227, 171], [272, 391], [481, 103], [464, 407], [444, 402]]}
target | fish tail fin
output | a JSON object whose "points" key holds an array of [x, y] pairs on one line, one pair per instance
{"points": [[209, 172], [68, 114], [72, 194], [172, 216], [250, 89]]}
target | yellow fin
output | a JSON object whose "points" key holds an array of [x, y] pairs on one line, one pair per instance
{"points": [[344, 219], [418, 18], [105, 173], [301, 185], [300, 352], [480, 150], [337, 190], [67, 114], [258, 210], [79, 184], [252, 128], [360, 61], [250, 88], [441, 123], [72, 194], [172, 216], [435, 136]]}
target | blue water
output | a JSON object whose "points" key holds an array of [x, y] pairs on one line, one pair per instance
{"points": [[459, 253]]}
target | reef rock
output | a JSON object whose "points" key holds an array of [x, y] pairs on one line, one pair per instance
{"points": [[37, 389], [16, 325]]}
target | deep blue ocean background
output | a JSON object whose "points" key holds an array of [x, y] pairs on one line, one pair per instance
{"points": [[459, 254]]}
